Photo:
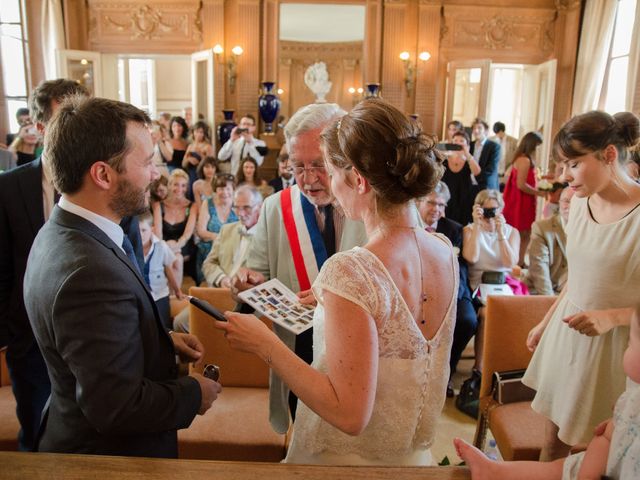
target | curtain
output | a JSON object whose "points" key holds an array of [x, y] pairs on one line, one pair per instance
{"points": [[634, 64], [593, 53], [52, 36]]}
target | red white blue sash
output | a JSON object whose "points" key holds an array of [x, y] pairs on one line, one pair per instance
{"points": [[305, 238]]}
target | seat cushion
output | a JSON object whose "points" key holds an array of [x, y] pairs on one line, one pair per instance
{"points": [[236, 428], [9, 425], [518, 430]]}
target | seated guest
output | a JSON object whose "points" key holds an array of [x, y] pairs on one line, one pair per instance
{"points": [[198, 149], [177, 143], [285, 176], [489, 245], [114, 385], [25, 143], [174, 220], [431, 210], [460, 168], [158, 190], [241, 144], [159, 264], [161, 153], [487, 154], [214, 212], [547, 273], [249, 175], [231, 247], [206, 171]]}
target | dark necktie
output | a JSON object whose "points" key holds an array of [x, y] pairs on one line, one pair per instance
{"points": [[128, 249], [329, 233]]}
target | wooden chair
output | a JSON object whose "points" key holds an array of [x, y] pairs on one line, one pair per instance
{"points": [[9, 425], [237, 425], [518, 430]]}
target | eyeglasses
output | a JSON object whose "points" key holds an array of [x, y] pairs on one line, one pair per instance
{"points": [[315, 169], [243, 208], [431, 203]]}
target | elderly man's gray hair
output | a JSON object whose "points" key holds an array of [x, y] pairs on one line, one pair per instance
{"points": [[256, 196], [442, 190], [312, 117]]}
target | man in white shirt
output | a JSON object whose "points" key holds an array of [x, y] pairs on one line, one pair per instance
{"points": [[114, 378], [508, 145], [241, 144]]}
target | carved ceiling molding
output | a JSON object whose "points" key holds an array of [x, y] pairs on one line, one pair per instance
{"points": [[151, 21], [491, 29]]}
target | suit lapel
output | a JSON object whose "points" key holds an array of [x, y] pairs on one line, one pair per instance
{"points": [[71, 220], [30, 187]]}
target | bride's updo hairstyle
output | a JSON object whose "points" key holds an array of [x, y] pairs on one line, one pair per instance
{"points": [[387, 148], [593, 131]]}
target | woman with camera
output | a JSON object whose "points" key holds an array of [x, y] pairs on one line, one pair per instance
{"points": [[489, 245], [25, 144]]}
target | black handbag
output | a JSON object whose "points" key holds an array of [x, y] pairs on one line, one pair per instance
{"points": [[468, 400]]}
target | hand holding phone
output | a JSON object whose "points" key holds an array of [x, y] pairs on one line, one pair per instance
{"points": [[207, 308]]}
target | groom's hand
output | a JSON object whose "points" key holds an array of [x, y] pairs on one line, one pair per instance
{"points": [[188, 347], [209, 390]]}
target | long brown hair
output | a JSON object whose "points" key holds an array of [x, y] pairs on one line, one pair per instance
{"points": [[527, 145]]}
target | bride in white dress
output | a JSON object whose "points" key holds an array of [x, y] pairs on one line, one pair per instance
{"points": [[385, 317]]}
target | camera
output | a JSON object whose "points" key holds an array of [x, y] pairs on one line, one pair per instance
{"points": [[489, 212], [196, 155], [211, 371], [241, 130]]}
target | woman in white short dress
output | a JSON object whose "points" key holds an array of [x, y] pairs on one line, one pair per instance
{"points": [[384, 323], [580, 343]]}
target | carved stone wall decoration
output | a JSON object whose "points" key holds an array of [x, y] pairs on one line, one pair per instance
{"points": [[154, 25], [523, 32]]}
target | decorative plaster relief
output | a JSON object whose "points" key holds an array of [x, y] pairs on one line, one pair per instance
{"points": [[154, 20], [491, 29]]}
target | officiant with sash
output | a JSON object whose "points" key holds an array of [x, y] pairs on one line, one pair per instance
{"points": [[299, 228]]}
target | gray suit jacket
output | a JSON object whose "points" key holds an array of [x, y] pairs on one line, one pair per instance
{"points": [[547, 257], [271, 256], [112, 365]]}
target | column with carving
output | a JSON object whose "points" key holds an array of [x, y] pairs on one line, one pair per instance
{"points": [[567, 33], [212, 18], [396, 40]]}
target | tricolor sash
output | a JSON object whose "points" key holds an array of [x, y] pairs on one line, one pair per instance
{"points": [[305, 238]]}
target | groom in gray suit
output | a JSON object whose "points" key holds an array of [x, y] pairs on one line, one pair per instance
{"points": [[114, 384], [305, 212]]}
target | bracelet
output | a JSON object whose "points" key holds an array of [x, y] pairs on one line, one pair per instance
{"points": [[501, 239], [170, 332]]}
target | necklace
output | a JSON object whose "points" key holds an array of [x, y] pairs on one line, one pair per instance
{"points": [[423, 295]]}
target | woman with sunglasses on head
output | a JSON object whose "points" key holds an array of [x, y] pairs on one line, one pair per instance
{"points": [[386, 312], [578, 346]]}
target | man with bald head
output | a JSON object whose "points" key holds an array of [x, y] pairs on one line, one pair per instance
{"points": [[299, 228]]}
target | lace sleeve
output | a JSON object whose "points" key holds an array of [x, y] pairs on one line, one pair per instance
{"points": [[345, 275]]}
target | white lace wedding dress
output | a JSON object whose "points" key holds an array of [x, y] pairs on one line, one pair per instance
{"points": [[412, 372]]}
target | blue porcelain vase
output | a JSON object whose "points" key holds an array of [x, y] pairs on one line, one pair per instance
{"points": [[268, 105], [224, 129], [372, 90]]}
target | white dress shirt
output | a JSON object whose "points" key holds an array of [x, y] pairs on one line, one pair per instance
{"points": [[111, 229], [238, 149]]}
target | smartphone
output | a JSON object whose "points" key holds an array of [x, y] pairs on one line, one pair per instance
{"points": [[196, 155], [449, 147], [489, 212], [207, 308], [241, 130]]}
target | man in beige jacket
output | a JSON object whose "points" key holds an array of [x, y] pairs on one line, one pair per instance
{"points": [[547, 251]]}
